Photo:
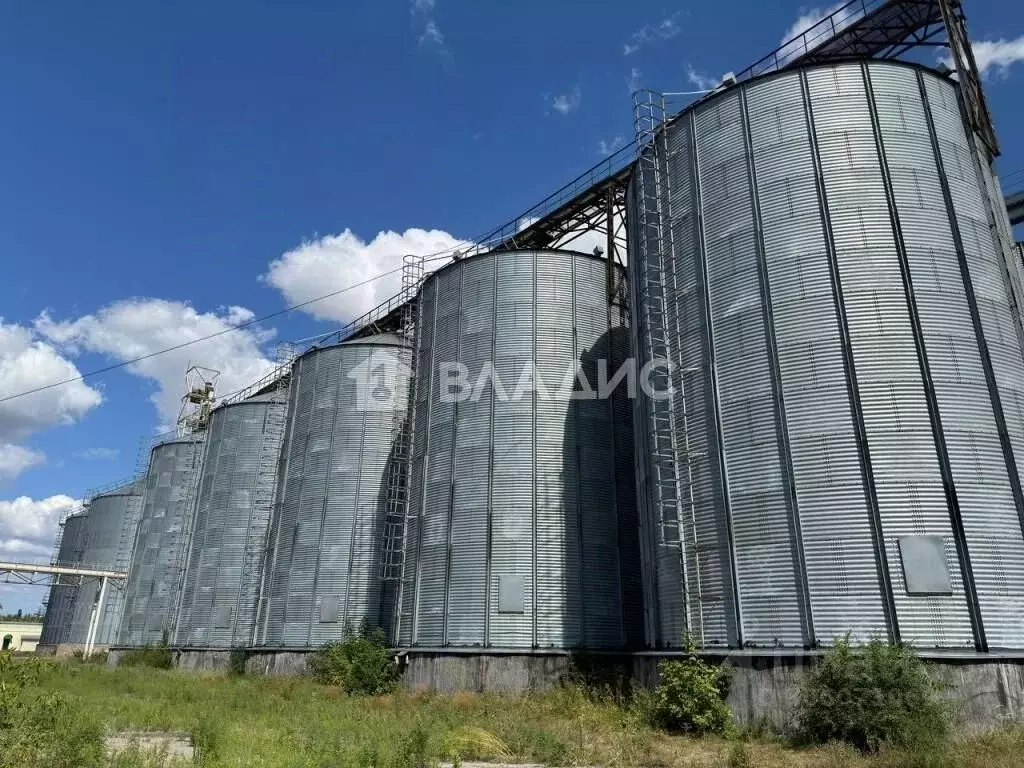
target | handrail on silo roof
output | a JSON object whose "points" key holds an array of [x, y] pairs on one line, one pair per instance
{"points": [[100, 490]]}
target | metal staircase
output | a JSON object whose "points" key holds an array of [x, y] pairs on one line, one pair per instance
{"points": [[654, 226], [397, 495], [188, 523], [55, 557]]}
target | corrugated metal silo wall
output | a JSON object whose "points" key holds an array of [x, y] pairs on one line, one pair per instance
{"points": [[324, 570], [60, 606], [229, 539], [524, 532], [848, 354], [157, 559], [109, 536]]}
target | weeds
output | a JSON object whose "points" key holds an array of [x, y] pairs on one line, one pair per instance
{"points": [[97, 657], [63, 711], [154, 656], [236, 662], [359, 664], [870, 697], [690, 696]]}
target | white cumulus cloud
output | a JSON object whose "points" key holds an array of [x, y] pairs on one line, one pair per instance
{"points": [[132, 328], [27, 363], [701, 81], [993, 55], [564, 103], [98, 454], [15, 459], [633, 81], [807, 22], [331, 263], [665, 29], [28, 526], [432, 34], [605, 148]]}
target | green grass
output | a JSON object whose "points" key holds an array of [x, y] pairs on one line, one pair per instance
{"points": [[295, 723]]}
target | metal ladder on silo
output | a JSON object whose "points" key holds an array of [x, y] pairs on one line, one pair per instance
{"points": [[125, 547], [398, 476], [648, 119], [55, 557], [674, 494], [264, 503]]}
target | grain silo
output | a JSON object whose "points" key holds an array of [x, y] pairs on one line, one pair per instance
{"points": [[234, 502], [157, 561], [110, 528], [60, 605], [840, 454], [323, 573], [522, 522]]}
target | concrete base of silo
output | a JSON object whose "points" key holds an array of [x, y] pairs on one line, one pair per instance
{"points": [[65, 650], [987, 690], [276, 662], [510, 672]]}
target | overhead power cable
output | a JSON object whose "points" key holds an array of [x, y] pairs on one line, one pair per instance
{"points": [[241, 326]]}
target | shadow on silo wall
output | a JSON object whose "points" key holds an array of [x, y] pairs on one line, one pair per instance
{"points": [[603, 607], [388, 586]]}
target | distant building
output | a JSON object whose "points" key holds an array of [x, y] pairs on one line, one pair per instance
{"points": [[20, 636]]}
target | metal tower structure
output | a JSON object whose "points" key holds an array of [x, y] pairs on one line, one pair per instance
{"points": [[198, 400]]}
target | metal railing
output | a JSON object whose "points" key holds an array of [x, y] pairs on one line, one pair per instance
{"points": [[824, 30], [615, 163]]}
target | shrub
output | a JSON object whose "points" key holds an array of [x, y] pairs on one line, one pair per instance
{"points": [[97, 657], [236, 662], [41, 730], [739, 756], [690, 696], [360, 664], [155, 656], [876, 695]]}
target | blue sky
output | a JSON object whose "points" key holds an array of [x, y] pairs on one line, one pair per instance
{"points": [[169, 168]]}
